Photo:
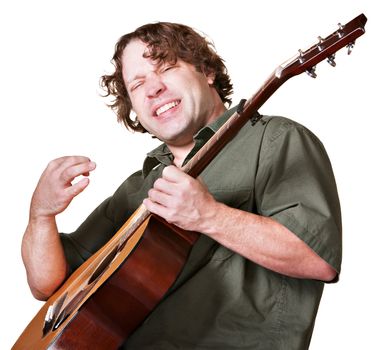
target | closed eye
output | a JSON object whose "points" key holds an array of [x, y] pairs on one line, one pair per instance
{"points": [[136, 85], [168, 67]]}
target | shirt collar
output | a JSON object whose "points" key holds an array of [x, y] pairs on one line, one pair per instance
{"points": [[162, 154]]}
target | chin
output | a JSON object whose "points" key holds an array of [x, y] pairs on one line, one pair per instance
{"points": [[179, 137]]}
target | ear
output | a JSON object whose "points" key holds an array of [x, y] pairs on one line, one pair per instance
{"points": [[210, 77]]}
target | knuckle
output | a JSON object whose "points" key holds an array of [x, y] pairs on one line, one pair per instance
{"points": [[150, 205], [150, 193], [67, 174], [165, 172], [169, 218], [53, 163], [157, 183], [70, 161], [75, 160], [173, 213], [190, 181], [76, 190], [168, 170], [70, 194]]}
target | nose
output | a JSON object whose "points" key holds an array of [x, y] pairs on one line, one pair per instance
{"points": [[155, 86]]}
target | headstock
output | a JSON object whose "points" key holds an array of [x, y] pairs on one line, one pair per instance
{"points": [[326, 48]]}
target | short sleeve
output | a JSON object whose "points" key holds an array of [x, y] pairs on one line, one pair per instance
{"points": [[295, 186]]}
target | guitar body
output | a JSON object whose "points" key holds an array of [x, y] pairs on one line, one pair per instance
{"points": [[148, 266]]}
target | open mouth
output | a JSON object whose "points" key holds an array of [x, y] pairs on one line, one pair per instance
{"points": [[166, 107]]}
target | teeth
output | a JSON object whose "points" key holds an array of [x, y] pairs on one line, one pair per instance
{"points": [[166, 107]]}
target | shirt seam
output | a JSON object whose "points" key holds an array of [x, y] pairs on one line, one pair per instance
{"points": [[280, 312]]}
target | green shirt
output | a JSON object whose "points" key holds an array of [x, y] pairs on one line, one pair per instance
{"points": [[276, 168]]}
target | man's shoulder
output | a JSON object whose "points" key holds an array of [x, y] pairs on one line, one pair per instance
{"points": [[277, 127], [275, 122]]}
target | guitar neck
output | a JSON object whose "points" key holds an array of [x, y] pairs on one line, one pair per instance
{"points": [[303, 62]]}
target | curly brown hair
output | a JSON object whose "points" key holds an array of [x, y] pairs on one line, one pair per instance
{"points": [[166, 43]]}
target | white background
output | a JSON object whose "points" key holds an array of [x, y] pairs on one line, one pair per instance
{"points": [[52, 55]]}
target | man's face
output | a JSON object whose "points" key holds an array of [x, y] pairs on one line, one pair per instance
{"points": [[172, 101]]}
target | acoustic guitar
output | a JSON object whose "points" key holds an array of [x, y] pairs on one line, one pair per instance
{"points": [[109, 295]]}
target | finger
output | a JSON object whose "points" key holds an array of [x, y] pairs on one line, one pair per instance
{"points": [[70, 173], [159, 197], [77, 188], [173, 174], [155, 208], [166, 186], [72, 160], [66, 161]]}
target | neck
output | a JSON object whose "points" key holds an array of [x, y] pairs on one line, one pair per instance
{"points": [[180, 153]]}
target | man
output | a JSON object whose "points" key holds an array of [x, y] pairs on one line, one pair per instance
{"points": [[267, 205]]}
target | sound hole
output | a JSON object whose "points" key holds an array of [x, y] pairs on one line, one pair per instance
{"points": [[103, 266], [51, 316]]}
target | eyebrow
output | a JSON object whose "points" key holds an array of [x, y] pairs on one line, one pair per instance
{"points": [[136, 77]]}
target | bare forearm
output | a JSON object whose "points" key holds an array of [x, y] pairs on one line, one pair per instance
{"points": [[42, 250], [266, 242], [43, 257]]}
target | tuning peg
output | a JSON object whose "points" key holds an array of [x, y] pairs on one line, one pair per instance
{"points": [[331, 60], [319, 45], [350, 47], [301, 56], [312, 72], [340, 30]]}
